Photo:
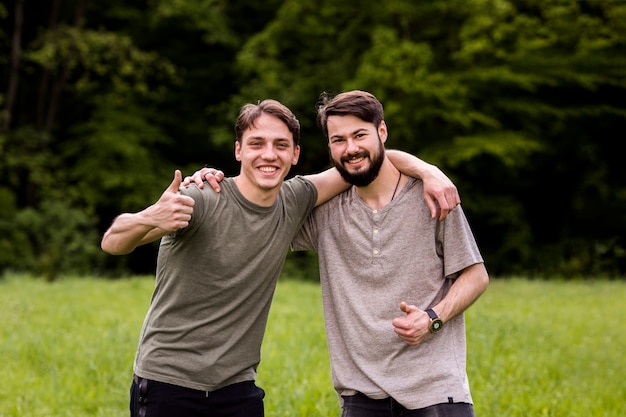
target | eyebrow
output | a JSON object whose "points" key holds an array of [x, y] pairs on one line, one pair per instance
{"points": [[361, 129], [263, 138]]}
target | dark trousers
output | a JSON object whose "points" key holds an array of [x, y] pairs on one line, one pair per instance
{"points": [[150, 398], [360, 405]]}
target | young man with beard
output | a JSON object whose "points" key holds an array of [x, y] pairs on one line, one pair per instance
{"points": [[199, 350], [395, 282]]}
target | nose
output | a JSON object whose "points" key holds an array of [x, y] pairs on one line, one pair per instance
{"points": [[352, 147], [269, 153]]}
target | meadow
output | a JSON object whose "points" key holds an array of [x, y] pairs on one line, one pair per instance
{"points": [[535, 348]]}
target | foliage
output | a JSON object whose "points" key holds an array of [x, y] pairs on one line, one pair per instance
{"points": [[54, 238], [102, 62], [72, 344], [519, 102], [500, 90], [126, 138]]}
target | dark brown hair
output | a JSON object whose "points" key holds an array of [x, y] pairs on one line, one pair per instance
{"points": [[350, 103], [251, 112]]}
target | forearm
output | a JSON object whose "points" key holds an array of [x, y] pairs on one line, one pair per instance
{"points": [[129, 231], [467, 288], [410, 165], [328, 183]]}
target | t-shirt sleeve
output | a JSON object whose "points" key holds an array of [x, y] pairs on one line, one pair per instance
{"points": [[305, 192], [459, 245], [305, 239], [300, 192]]}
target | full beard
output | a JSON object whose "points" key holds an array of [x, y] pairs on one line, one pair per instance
{"points": [[363, 177]]}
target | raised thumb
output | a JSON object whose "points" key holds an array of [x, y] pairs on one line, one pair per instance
{"points": [[407, 308], [175, 185]]}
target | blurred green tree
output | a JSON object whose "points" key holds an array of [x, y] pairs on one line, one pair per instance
{"points": [[519, 102]]}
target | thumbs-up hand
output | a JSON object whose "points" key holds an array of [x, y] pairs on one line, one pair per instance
{"points": [[412, 327], [172, 211], [175, 185]]}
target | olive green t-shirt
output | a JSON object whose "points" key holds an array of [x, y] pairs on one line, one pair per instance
{"points": [[214, 284]]}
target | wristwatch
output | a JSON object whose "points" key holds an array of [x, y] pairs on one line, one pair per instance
{"points": [[436, 324]]}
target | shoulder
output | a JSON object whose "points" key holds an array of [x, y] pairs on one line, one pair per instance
{"points": [[415, 184], [207, 198], [300, 193], [191, 190], [300, 186], [412, 192], [207, 192]]}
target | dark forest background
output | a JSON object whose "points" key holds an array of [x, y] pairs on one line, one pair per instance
{"points": [[521, 103]]}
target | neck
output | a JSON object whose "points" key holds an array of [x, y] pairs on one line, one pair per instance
{"points": [[384, 188], [255, 194]]}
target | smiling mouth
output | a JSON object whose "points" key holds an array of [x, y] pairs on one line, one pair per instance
{"points": [[355, 160], [268, 170]]}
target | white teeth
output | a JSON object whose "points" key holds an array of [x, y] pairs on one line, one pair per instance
{"points": [[356, 160], [267, 169]]}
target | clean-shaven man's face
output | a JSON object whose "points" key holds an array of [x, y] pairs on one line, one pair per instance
{"points": [[266, 152]]}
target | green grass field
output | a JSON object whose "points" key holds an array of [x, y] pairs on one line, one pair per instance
{"points": [[535, 348]]}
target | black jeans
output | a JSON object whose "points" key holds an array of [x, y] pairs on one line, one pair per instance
{"points": [[360, 405], [150, 398]]}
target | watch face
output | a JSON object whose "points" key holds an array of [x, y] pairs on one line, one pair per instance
{"points": [[436, 325]]}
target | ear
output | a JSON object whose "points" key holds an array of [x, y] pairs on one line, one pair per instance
{"points": [[382, 131], [237, 151], [296, 155]]}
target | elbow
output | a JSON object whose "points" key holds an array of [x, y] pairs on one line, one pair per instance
{"points": [[104, 245], [109, 247], [479, 278], [484, 279]]}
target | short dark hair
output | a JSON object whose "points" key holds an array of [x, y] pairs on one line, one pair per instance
{"points": [[350, 103], [249, 113]]}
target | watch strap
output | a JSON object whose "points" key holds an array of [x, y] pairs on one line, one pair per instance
{"points": [[431, 313]]}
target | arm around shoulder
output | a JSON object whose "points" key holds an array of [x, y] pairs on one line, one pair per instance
{"points": [[440, 193], [328, 183]]}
